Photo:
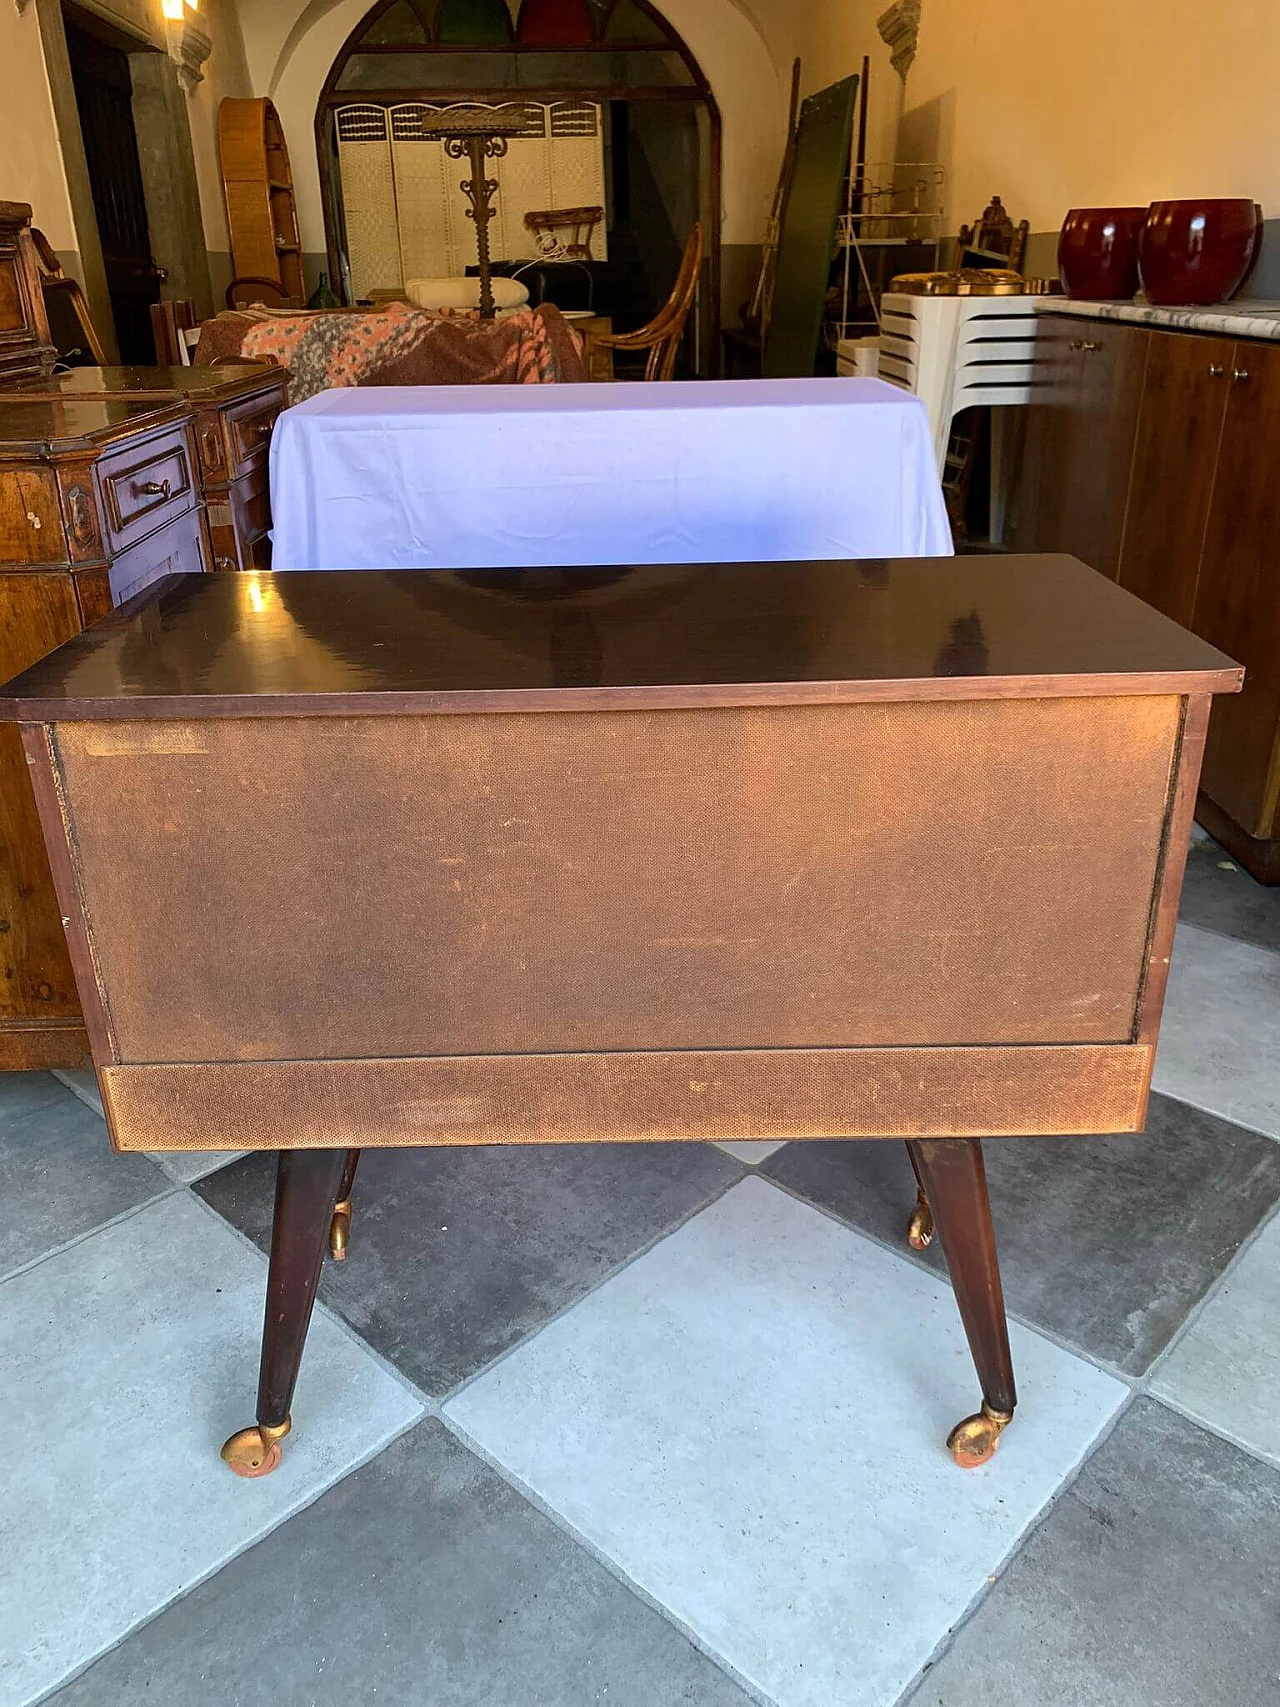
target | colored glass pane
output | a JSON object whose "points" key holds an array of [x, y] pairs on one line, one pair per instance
{"points": [[398, 26], [473, 21], [627, 23], [554, 23]]}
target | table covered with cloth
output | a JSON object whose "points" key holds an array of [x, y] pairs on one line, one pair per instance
{"points": [[397, 345], [561, 475]]}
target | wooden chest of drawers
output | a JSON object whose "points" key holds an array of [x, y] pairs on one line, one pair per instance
{"points": [[233, 408], [98, 499]]}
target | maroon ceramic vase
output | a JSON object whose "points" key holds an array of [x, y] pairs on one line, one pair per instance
{"points": [[1198, 252], [1098, 253]]}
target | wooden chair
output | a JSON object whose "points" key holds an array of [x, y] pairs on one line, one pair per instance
{"points": [[65, 304], [661, 337], [169, 321], [578, 222], [251, 292]]}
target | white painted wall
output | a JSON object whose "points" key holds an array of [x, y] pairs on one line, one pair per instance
{"points": [[1087, 105], [30, 156], [291, 45]]}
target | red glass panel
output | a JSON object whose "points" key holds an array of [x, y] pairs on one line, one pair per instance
{"points": [[554, 23]]}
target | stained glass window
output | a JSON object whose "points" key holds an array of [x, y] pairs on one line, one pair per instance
{"points": [[627, 23], [473, 21], [554, 23], [398, 26]]}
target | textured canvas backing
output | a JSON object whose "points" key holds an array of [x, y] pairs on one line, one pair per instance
{"points": [[783, 877], [547, 1099]]}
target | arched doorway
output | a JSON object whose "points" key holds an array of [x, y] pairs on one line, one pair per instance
{"points": [[624, 119]]}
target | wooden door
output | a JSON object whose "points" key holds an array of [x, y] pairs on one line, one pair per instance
{"points": [[104, 100], [1237, 603], [1184, 403], [1080, 438]]}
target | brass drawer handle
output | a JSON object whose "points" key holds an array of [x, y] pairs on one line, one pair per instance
{"points": [[1240, 373], [153, 488], [1080, 344], [1216, 370]]}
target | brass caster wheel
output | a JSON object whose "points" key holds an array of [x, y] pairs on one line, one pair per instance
{"points": [[920, 1226], [974, 1441], [340, 1230], [256, 1451]]}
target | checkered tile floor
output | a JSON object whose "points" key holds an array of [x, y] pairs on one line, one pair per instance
{"points": [[647, 1426]]}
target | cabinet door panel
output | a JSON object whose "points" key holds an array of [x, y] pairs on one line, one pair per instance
{"points": [[37, 613], [1184, 400], [1238, 598], [1080, 437]]}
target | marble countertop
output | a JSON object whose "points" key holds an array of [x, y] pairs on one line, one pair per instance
{"points": [[1236, 319]]}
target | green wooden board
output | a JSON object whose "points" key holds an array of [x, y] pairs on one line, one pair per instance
{"points": [[807, 238]]}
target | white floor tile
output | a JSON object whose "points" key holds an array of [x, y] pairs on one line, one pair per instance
{"points": [[748, 1151], [750, 1421], [84, 1082], [185, 1166], [1220, 1040], [125, 1362], [1226, 1370]]}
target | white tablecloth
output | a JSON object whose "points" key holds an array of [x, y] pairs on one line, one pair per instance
{"points": [[463, 477]]}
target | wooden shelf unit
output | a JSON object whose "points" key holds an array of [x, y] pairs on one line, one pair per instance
{"points": [[258, 185]]}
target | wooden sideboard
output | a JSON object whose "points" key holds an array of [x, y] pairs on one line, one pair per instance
{"points": [[234, 407], [300, 924], [1147, 454], [98, 498]]}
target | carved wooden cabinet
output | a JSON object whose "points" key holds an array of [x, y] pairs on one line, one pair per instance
{"points": [[25, 345], [98, 498], [1148, 454], [234, 408]]}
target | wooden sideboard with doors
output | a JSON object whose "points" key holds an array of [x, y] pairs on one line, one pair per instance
{"points": [[1148, 454]]}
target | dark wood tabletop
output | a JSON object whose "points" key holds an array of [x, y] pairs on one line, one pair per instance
{"points": [[721, 634], [30, 425], [132, 383]]}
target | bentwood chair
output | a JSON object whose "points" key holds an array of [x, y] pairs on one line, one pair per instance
{"points": [[661, 337]]}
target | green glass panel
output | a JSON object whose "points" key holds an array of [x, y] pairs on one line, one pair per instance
{"points": [[491, 72], [627, 23], [399, 26], [473, 21]]}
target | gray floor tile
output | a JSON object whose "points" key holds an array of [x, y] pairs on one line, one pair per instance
{"points": [[183, 1166], [1220, 1039], [750, 1421], [127, 1360], [421, 1581], [1106, 1242], [1226, 1369], [1151, 1584], [458, 1253], [58, 1174], [1219, 895]]}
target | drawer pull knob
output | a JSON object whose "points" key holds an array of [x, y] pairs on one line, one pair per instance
{"points": [[1216, 370], [153, 488], [1240, 373]]}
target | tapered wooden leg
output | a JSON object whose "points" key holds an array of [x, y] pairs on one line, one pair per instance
{"points": [[307, 1184], [340, 1226], [920, 1226], [952, 1176]]}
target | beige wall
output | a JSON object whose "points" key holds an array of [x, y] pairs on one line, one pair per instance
{"points": [[226, 72], [30, 157], [1092, 104]]}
